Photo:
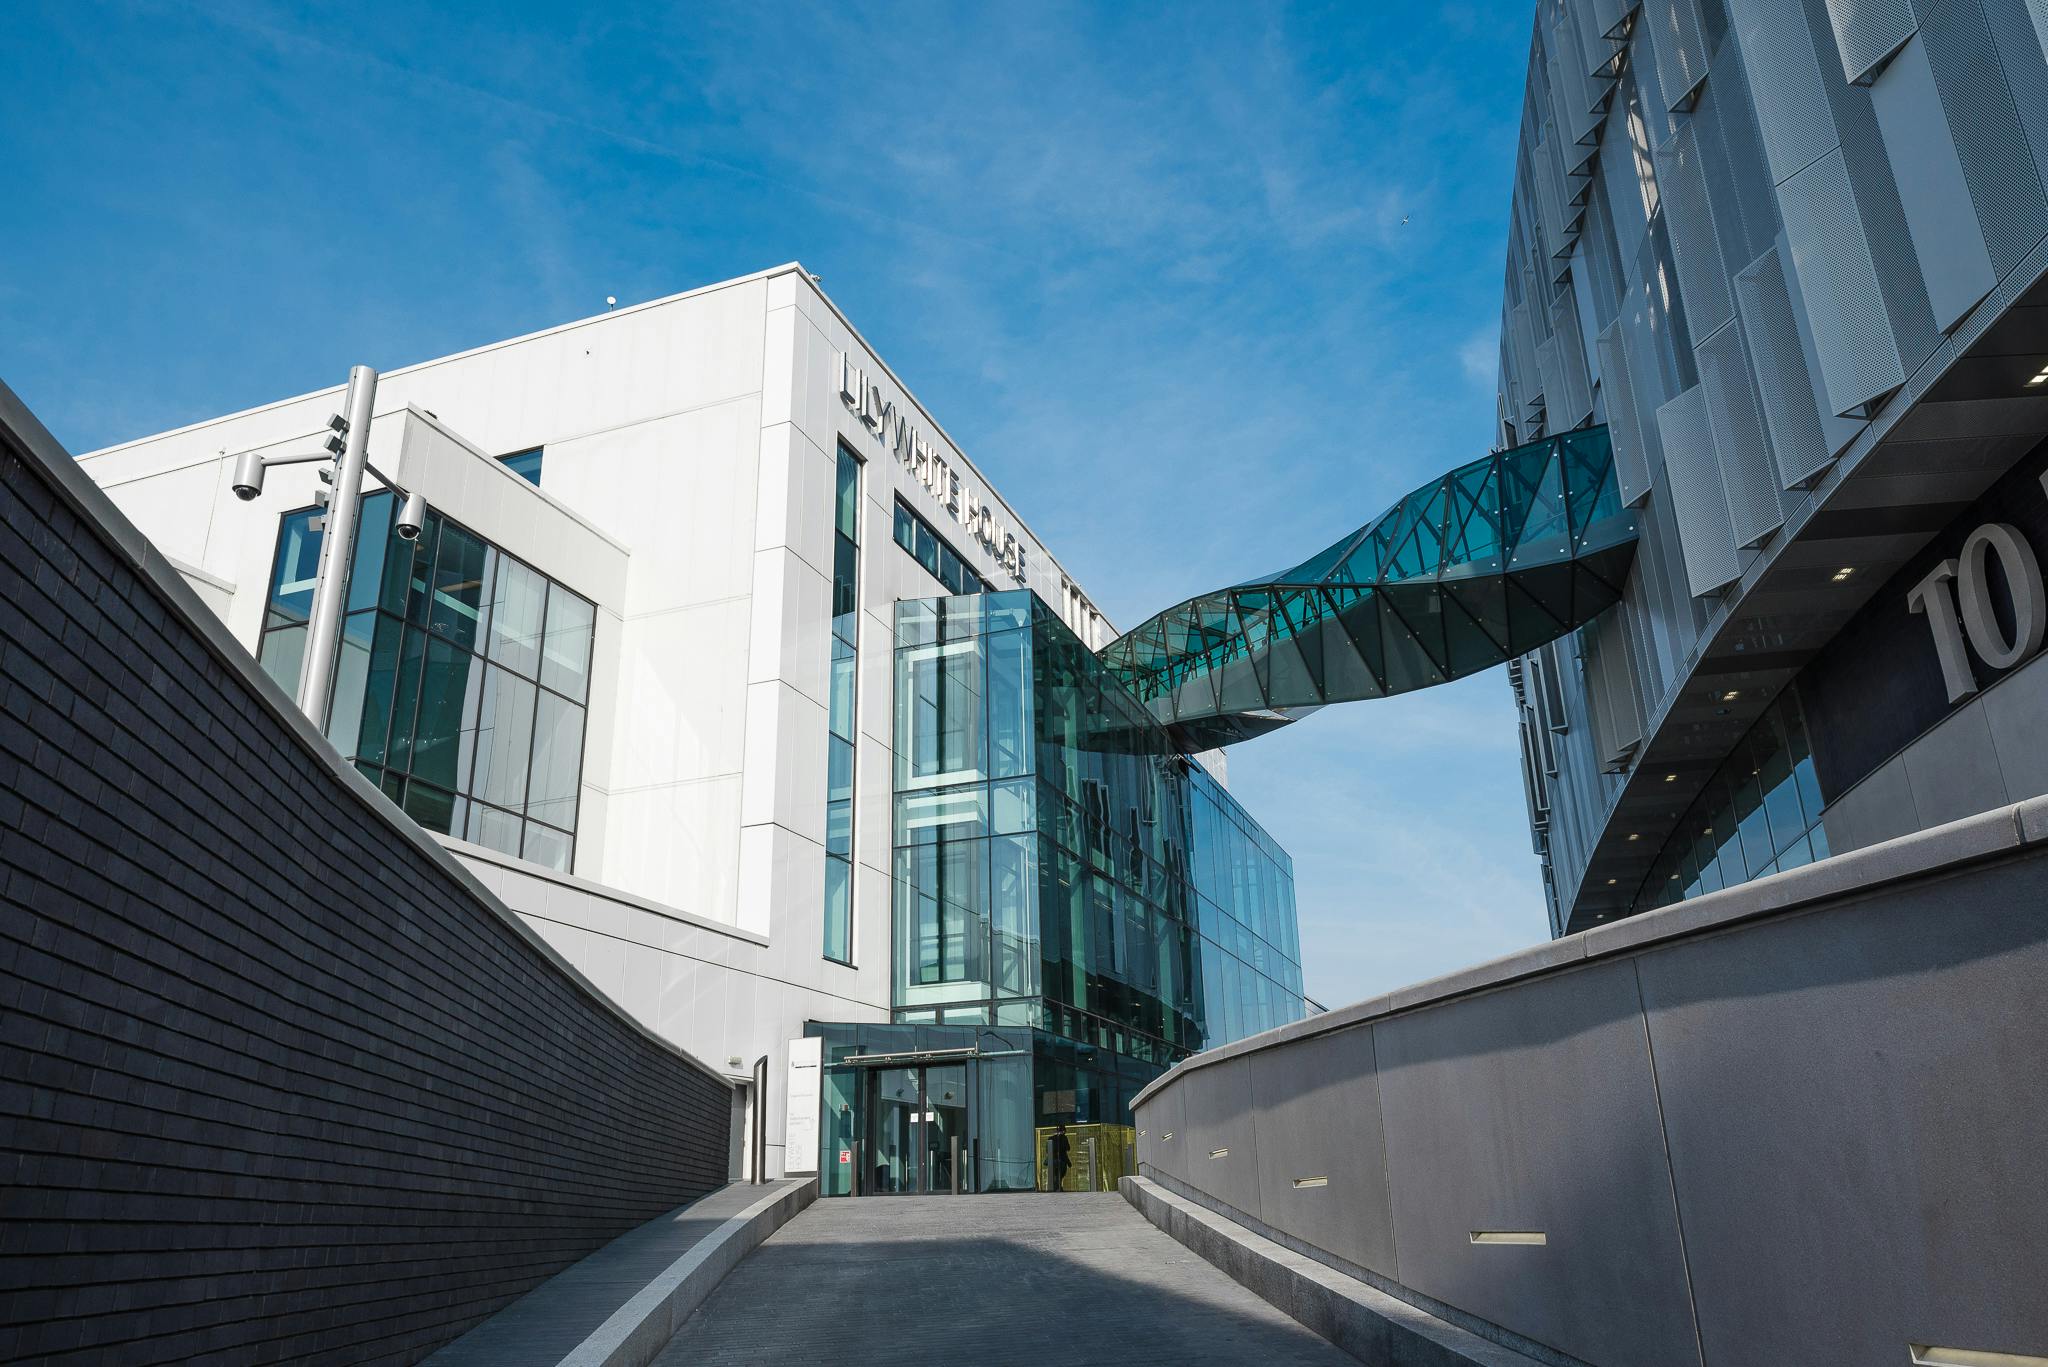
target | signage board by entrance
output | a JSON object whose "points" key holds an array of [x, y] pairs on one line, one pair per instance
{"points": [[800, 1107]]}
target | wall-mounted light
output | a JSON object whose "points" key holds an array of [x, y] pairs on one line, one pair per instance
{"points": [[1841, 575], [2039, 379], [1510, 1236], [1635, 835], [1731, 695], [1671, 778]]}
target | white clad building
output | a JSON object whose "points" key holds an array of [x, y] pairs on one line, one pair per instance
{"points": [[616, 657]]}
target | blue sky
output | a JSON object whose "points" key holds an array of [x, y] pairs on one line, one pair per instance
{"points": [[1200, 287]]}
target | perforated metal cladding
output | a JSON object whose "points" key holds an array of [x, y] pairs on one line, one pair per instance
{"points": [[1624, 422], [1548, 175], [1784, 78], [1692, 474], [1984, 120], [1673, 29], [1574, 400], [1695, 241], [1934, 192], [1852, 331], [1738, 178], [1868, 31], [1556, 408], [1611, 693], [1749, 477], [1784, 389], [1571, 93]]}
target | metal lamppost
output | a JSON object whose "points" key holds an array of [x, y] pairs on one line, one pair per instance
{"points": [[347, 448]]}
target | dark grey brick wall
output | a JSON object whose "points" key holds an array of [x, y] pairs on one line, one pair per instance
{"points": [[276, 1083]]}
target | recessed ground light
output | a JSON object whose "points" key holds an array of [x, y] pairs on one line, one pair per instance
{"points": [[1635, 835], [1844, 573], [1671, 778], [1610, 882], [1928, 1355], [1731, 695]]}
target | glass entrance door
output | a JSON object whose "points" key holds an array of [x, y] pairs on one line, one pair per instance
{"points": [[917, 1130], [895, 1110]]}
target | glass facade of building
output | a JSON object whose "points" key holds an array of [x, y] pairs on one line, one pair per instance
{"points": [[463, 678], [935, 553], [1758, 815], [841, 717], [1077, 905]]}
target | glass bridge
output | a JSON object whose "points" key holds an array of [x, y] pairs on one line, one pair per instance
{"points": [[1476, 567]]}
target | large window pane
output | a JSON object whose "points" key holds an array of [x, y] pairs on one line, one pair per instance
{"points": [[282, 654], [415, 576], [461, 567], [525, 464], [434, 808], [840, 719], [493, 829], [451, 694], [518, 607], [351, 680], [504, 739], [372, 739], [557, 761], [293, 571], [565, 660], [846, 506], [845, 589], [405, 701], [839, 909], [373, 535], [548, 848]]}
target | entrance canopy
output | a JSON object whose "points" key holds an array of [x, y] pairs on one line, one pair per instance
{"points": [[1481, 565]]}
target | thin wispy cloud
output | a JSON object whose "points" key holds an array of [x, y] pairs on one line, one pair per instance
{"points": [[1201, 288]]}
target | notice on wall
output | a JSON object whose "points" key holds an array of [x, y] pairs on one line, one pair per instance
{"points": [[800, 1106]]}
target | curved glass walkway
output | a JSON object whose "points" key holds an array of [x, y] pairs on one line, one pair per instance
{"points": [[1486, 563]]}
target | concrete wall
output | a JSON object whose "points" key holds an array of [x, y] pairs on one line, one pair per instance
{"points": [[1796, 1121], [279, 1079]]}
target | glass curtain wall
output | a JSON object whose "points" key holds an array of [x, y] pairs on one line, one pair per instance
{"points": [[841, 717], [935, 553], [463, 678], [1758, 815], [1058, 863]]}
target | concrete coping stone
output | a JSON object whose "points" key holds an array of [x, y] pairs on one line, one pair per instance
{"points": [[620, 1306], [1364, 1321], [1922, 854]]}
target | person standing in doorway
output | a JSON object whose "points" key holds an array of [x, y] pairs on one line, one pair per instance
{"points": [[1057, 1151]]}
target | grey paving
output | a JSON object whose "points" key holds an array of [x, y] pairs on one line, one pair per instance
{"points": [[1038, 1280]]}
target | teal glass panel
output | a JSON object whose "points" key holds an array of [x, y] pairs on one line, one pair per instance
{"points": [[373, 538], [444, 738], [374, 733], [294, 569], [846, 501], [839, 715], [434, 808], [419, 571], [839, 910], [525, 464], [838, 770], [906, 529], [845, 586], [405, 701]]}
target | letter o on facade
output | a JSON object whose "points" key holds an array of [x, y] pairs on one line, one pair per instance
{"points": [[2022, 575]]}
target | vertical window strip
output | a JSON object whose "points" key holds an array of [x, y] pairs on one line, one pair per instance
{"points": [[842, 740]]}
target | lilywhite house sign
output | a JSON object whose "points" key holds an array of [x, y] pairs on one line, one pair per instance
{"points": [[969, 507], [1964, 583]]}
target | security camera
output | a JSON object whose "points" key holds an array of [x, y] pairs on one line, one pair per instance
{"points": [[248, 481], [411, 517]]}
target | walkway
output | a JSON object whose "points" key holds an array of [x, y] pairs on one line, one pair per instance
{"points": [[985, 1281]]}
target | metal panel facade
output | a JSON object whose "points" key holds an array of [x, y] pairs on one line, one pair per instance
{"points": [[1692, 474]]}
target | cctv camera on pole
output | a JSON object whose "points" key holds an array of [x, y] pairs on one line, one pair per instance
{"points": [[337, 541], [345, 456]]}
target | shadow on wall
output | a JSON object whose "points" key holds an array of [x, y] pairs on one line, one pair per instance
{"points": [[1813, 1137], [280, 1080]]}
